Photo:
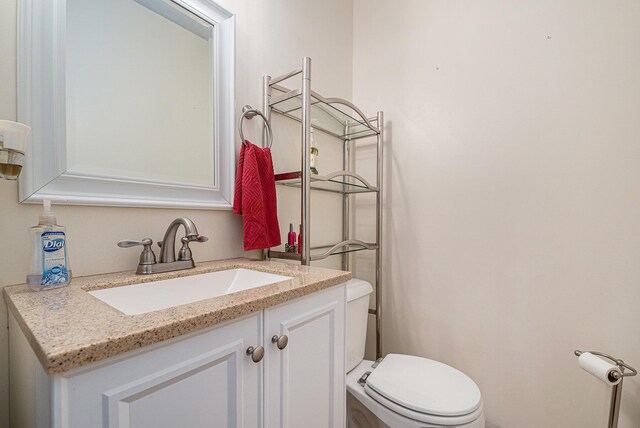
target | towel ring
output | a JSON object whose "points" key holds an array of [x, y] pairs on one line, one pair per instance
{"points": [[249, 113]]}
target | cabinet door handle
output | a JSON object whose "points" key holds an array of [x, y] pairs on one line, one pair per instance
{"points": [[256, 353], [281, 341]]}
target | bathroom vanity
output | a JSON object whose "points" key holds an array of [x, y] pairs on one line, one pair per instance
{"points": [[266, 356]]}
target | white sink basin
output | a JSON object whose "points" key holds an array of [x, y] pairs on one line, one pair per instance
{"points": [[152, 296]]}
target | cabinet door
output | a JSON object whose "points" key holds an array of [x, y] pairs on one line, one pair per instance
{"points": [[304, 382], [202, 380]]}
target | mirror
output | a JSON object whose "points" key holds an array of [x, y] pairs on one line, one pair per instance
{"points": [[136, 108], [149, 65]]}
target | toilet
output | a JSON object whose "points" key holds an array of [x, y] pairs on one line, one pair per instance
{"points": [[402, 390]]}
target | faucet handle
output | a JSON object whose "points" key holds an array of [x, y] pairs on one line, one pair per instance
{"points": [[132, 243], [185, 251], [147, 257]]}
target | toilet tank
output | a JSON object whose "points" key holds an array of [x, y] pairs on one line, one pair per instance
{"points": [[358, 292]]}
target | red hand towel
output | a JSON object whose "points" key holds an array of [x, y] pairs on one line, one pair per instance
{"points": [[255, 198]]}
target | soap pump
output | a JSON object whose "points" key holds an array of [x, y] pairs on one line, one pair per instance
{"points": [[49, 265]]}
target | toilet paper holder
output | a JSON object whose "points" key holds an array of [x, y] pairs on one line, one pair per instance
{"points": [[616, 391]]}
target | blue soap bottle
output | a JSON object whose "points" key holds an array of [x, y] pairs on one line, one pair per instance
{"points": [[49, 263]]}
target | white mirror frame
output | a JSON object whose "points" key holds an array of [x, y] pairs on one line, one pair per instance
{"points": [[41, 105]]}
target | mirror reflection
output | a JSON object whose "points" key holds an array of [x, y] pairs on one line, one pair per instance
{"points": [[139, 92]]}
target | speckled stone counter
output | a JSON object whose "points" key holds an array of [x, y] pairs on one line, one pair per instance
{"points": [[69, 328]]}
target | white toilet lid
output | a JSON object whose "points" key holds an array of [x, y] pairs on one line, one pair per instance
{"points": [[425, 386]]}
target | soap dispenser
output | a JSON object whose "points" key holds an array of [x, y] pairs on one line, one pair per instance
{"points": [[49, 265]]}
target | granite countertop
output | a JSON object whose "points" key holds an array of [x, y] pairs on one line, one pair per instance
{"points": [[69, 328]]}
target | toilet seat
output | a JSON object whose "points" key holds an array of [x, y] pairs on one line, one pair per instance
{"points": [[424, 390], [424, 417]]}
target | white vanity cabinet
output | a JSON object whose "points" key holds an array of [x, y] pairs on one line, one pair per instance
{"points": [[203, 379], [304, 382], [189, 381]]}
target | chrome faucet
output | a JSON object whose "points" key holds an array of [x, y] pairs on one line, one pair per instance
{"points": [[167, 262]]}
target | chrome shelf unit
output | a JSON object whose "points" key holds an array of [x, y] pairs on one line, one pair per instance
{"points": [[344, 121]]}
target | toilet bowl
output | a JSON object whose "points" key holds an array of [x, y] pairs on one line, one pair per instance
{"points": [[402, 390]]}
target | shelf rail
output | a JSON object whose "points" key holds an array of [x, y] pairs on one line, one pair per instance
{"points": [[360, 184], [328, 107], [330, 250], [349, 105], [286, 76]]}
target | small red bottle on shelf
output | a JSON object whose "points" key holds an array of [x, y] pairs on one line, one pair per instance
{"points": [[300, 241], [291, 239], [292, 235]]}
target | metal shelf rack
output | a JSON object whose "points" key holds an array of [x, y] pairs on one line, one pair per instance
{"points": [[344, 121]]}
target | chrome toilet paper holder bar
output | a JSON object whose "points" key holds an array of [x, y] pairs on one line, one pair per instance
{"points": [[618, 362], [616, 391]]}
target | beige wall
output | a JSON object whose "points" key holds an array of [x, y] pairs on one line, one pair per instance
{"points": [[272, 37], [513, 199]]}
